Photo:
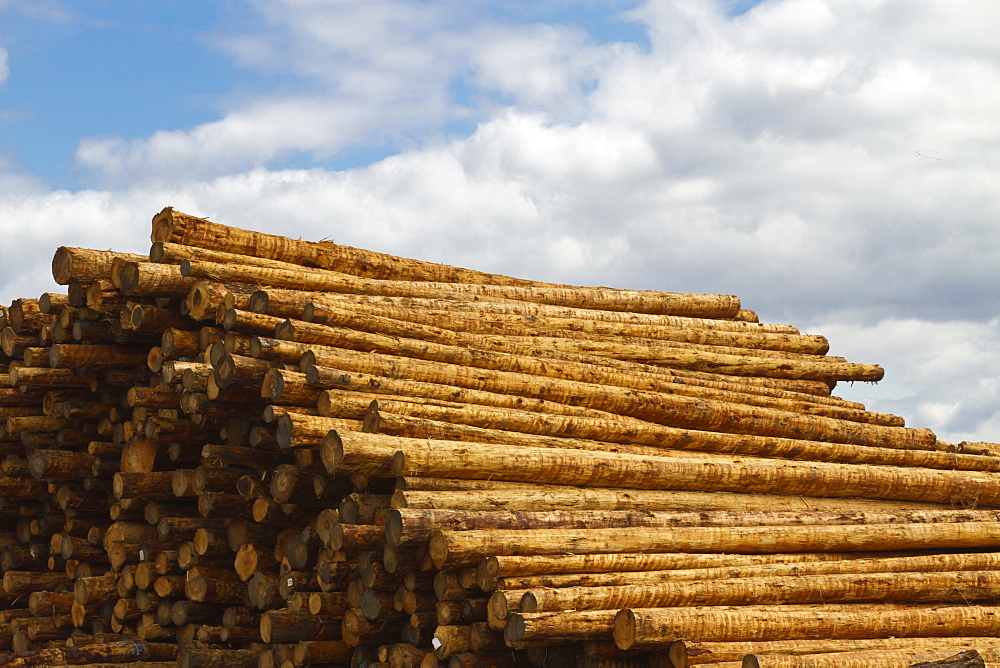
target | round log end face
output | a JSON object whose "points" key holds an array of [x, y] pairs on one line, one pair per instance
{"points": [[118, 485], [273, 385], [62, 266], [624, 629], [486, 573], [37, 464], [677, 653], [130, 278], [398, 463], [529, 602], [162, 225], [514, 630], [331, 452], [283, 432], [195, 588], [498, 608], [393, 528], [259, 301]]}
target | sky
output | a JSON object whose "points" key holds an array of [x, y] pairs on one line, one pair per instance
{"points": [[834, 163]]}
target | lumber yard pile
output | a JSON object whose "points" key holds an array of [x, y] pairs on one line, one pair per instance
{"points": [[247, 450]]}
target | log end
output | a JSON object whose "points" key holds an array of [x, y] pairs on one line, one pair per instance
{"points": [[514, 630], [624, 629], [62, 265], [393, 528]]}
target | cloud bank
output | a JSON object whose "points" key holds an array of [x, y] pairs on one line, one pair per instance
{"points": [[833, 163]]}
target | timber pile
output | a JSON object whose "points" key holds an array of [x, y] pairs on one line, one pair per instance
{"points": [[247, 450]]}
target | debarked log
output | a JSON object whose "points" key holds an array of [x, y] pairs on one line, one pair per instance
{"points": [[956, 587], [456, 459], [651, 628], [456, 548]]}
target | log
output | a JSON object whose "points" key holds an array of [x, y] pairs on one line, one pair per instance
{"points": [[845, 588], [172, 229], [455, 548], [455, 459], [83, 265], [925, 563], [406, 525], [689, 653], [944, 657], [631, 301], [653, 628], [652, 399]]}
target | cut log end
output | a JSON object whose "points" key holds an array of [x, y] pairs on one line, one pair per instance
{"points": [[624, 629]]}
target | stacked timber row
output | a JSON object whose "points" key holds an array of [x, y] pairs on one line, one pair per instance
{"points": [[247, 450]]}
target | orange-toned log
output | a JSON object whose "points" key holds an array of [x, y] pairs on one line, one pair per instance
{"points": [[404, 525], [632, 301], [653, 400], [492, 570], [71, 356], [636, 437], [456, 459], [151, 279], [456, 548], [685, 653], [919, 563], [920, 652], [620, 354], [293, 303], [934, 587], [529, 357], [533, 497], [83, 265], [221, 243], [652, 628], [524, 309]]}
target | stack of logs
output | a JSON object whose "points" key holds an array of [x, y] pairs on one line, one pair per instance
{"points": [[246, 450]]}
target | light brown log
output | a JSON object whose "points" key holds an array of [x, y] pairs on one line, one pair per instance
{"points": [[522, 309], [926, 563], [83, 265], [944, 655], [292, 304], [151, 279], [454, 459], [39, 378], [966, 586], [282, 626], [548, 628], [690, 653], [632, 301], [651, 628], [454, 548], [649, 399], [521, 353], [213, 240], [404, 525], [559, 497], [620, 437], [511, 372]]}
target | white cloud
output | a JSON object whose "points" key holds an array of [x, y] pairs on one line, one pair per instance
{"points": [[942, 375], [834, 164], [379, 73]]}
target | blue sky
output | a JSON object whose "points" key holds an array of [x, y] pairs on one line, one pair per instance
{"points": [[129, 68], [832, 162]]}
